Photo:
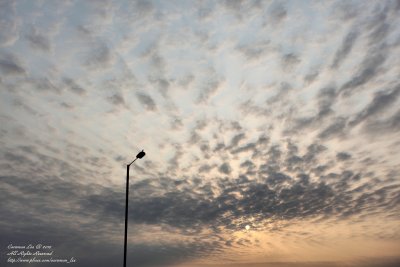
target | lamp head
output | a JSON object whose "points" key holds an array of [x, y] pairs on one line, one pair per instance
{"points": [[141, 154]]}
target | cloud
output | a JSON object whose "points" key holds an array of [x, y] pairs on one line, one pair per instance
{"points": [[367, 71], [176, 123], [247, 147], [343, 156], [190, 205], [277, 13], [21, 104], [236, 139], [278, 196], [186, 81], [116, 99], [254, 51], [162, 84], [11, 64], [242, 9], [146, 101], [205, 168], [326, 98], [100, 57], [209, 86], [345, 11], [289, 61], [382, 100], [336, 128], [378, 25], [38, 41], [345, 49], [249, 107], [225, 168], [143, 8], [242, 142], [384, 126], [309, 78], [73, 86], [44, 84], [9, 23]]}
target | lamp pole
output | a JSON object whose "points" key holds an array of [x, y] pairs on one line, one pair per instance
{"points": [[138, 156]]}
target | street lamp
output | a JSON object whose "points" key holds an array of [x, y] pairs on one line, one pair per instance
{"points": [[138, 156]]}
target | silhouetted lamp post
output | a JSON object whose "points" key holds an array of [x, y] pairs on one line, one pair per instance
{"points": [[138, 156]]}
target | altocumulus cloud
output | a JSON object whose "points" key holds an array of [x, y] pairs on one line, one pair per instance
{"points": [[273, 115]]}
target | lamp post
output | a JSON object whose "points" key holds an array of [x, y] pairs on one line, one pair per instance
{"points": [[138, 156]]}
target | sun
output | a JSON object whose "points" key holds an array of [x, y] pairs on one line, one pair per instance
{"points": [[247, 227]]}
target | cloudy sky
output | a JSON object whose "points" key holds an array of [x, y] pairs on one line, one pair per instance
{"points": [[271, 130]]}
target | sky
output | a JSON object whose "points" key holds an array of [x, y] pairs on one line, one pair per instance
{"points": [[271, 131]]}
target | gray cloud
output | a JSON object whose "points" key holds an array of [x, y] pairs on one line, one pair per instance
{"points": [[367, 71], [241, 8], [248, 107], [289, 61], [384, 126], [378, 27], [143, 8], [235, 4], [309, 78], [254, 51], [21, 104], [276, 13], [66, 105], [157, 62], [9, 23], [73, 86], [186, 81], [100, 57], [44, 84], [379, 33], [175, 207], [209, 87], [38, 40], [345, 49], [345, 11], [336, 128], [342, 156], [146, 101], [325, 99], [188, 205], [11, 64], [175, 160], [382, 100], [161, 84], [281, 199], [225, 168], [284, 89], [254, 147], [236, 139], [247, 147], [176, 123], [116, 99], [205, 168]]}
